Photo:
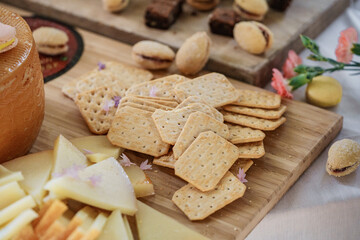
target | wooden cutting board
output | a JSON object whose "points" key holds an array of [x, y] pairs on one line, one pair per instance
{"points": [[303, 17], [289, 150]]}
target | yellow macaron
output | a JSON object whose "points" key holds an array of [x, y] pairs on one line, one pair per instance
{"points": [[324, 91]]}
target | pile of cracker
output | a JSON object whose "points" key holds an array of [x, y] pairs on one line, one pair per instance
{"points": [[180, 122]]}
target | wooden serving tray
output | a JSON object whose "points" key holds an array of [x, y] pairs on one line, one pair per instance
{"points": [[308, 17], [289, 150]]}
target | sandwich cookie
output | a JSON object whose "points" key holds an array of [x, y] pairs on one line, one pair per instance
{"points": [[203, 5], [8, 38], [152, 55], [114, 5], [251, 9], [253, 37], [343, 157], [51, 41]]}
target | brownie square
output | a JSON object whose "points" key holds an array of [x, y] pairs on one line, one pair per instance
{"points": [[223, 20], [162, 13]]}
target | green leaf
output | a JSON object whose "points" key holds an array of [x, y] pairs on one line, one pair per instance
{"points": [[307, 69], [310, 44], [299, 81], [356, 49], [301, 68]]}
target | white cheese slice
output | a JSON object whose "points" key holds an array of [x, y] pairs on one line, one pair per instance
{"points": [[18, 223], [14, 209], [110, 189], [127, 227], [7, 176], [115, 228], [141, 183], [66, 156], [97, 144], [36, 171], [152, 224], [10, 193]]}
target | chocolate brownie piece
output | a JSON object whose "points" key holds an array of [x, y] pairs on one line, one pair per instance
{"points": [[280, 5], [223, 20], [162, 13]]}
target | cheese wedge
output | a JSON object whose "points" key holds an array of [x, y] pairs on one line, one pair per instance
{"points": [[115, 228], [127, 227], [97, 144], [141, 183], [18, 223], [14, 209], [112, 189], [36, 171], [97, 157], [96, 227], [7, 176], [152, 224], [66, 156], [89, 216], [10, 193]]}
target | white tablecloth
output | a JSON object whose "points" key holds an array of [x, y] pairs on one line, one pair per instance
{"points": [[319, 206]]}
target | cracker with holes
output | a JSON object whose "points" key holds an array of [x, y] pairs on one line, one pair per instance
{"points": [[206, 161], [250, 98], [167, 160], [257, 112], [167, 99], [251, 150], [198, 205], [98, 108], [189, 100], [144, 102], [134, 129], [197, 123], [243, 163], [170, 123], [139, 106], [171, 104], [253, 122], [69, 89], [239, 134], [214, 88], [161, 87]]}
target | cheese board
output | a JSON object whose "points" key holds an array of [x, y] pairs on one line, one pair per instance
{"points": [[289, 150], [302, 17]]}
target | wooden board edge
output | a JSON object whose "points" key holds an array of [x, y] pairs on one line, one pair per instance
{"points": [[334, 130], [258, 76]]}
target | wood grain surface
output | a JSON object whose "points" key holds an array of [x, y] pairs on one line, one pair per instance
{"points": [[308, 17], [289, 150]]}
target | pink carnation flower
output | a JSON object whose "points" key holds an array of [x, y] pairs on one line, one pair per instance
{"points": [[280, 84], [291, 62], [346, 40]]}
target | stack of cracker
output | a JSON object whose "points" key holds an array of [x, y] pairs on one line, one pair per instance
{"points": [[180, 122]]}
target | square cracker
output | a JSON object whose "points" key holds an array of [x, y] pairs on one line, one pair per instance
{"points": [[197, 123], [251, 150], [189, 100], [239, 134], [167, 99], [214, 88], [91, 105], [170, 123], [253, 122], [257, 112], [243, 163], [206, 161], [198, 205], [139, 106], [164, 87], [167, 160], [116, 75], [134, 129], [250, 98], [171, 104], [144, 102], [69, 89]]}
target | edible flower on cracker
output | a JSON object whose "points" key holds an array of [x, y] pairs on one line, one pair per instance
{"points": [[116, 100], [153, 91], [101, 66]]}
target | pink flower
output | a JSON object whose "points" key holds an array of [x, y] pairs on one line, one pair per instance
{"points": [[125, 162], [343, 51], [145, 166], [95, 180], [108, 104], [72, 171], [280, 84], [241, 176], [291, 62], [153, 91]]}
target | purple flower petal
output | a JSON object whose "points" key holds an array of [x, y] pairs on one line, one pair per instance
{"points": [[86, 151], [153, 91], [241, 176], [125, 162], [145, 166], [101, 66], [117, 100]]}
